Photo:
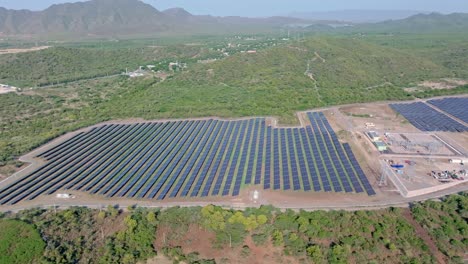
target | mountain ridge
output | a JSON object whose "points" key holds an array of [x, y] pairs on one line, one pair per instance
{"points": [[422, 23], [117, 18], [357, 15]]}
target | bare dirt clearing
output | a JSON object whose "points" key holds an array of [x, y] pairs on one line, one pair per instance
{"points": [[197, 239], [13, 51], [442, 84], [4, 90]]}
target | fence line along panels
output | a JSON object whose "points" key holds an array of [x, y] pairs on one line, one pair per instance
{"points": [[198, 158]]}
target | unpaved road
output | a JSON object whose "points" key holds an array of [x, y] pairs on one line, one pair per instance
{"points": [[13, 51]]}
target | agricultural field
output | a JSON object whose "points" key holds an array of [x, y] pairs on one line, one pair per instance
{"points": [[196, 158]]}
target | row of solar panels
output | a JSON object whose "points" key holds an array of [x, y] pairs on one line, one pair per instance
{"points": [[457, 107], [425, 118], [344, 162], [194, 158]]}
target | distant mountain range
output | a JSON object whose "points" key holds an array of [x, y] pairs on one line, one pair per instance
{"points": [[120, 17], [421, 23], [357, 16]]}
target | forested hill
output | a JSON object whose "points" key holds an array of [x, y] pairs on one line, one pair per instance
{"points": [[422, 23], [333, 62], [274, 81]]}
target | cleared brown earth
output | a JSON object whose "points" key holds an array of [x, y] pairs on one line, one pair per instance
{"points": [[13, 51], [197, 239]]}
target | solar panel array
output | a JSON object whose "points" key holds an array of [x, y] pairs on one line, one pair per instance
{"points": [[425, 118], [457, 107], [197, 158]]}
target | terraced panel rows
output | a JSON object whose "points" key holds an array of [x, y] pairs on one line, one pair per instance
{"points": [[457, 107], [426, 118], [160, 160]]}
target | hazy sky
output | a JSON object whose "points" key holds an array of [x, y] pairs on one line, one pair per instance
{"points": [[273, 7]]}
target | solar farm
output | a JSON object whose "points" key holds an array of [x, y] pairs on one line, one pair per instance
{"points": [[426, 118], [227, 161], [194, 158], [457, 107]]}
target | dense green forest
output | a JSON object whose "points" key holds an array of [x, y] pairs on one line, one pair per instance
{"points": [[81, 235], [272, 82]]}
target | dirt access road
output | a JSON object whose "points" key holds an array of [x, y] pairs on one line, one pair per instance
{"points": [[13, 51]]}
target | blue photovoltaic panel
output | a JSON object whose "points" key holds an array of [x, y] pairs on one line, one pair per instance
{"points": [[197, 161], [425, 118], [310, 161], [101, 164], [51, 165], [37, 182], [200, 158], [141, 168], [217, 160], [260, 150], [29, 184], [163, 173], [284, 159], [293, 160], [231, 175], [267, 176], [301, 160], [149, 170], [276, 161], [243, 160], [138, 152], [225, 161], [99, 161], [253, 145], [209, 162], [457, 107]]}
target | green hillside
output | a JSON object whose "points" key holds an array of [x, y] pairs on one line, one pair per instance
{"points": [[273, 81], [422, 23], [63, 64]]}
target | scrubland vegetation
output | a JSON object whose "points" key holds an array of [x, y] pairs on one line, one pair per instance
{"points": [[81, 235], [271, 82]]}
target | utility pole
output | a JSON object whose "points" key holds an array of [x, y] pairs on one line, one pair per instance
{"points": [[385, 172]]}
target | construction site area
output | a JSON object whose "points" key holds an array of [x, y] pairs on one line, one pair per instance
{"points": [[411, 161]]}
